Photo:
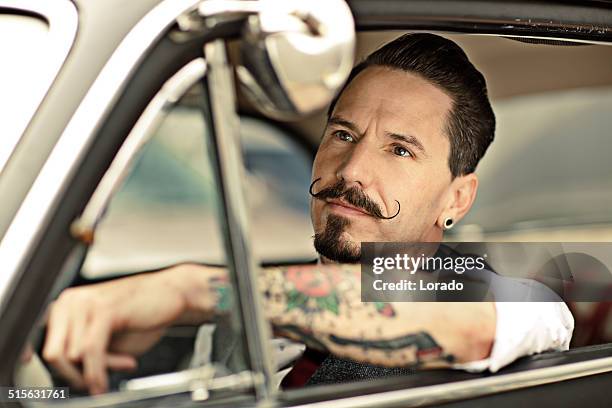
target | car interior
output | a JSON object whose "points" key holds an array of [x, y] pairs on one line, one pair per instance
{"points": [[547, 177]]}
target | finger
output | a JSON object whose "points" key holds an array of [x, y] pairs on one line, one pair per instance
{"points": [[54, 351], [121, 362], [57, 329], [97, 337], [70, 373], [75, 335]]}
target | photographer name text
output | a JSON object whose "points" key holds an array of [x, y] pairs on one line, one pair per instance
{"points": [[419, 285]]}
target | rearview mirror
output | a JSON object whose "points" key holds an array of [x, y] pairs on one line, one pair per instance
{"points": [[296, 55]]}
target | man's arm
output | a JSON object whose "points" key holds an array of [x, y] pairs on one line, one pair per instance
{"points": [[321, 306], [104, 325]]}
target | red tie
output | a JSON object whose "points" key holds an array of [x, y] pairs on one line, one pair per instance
{"points": [[303, 369]]}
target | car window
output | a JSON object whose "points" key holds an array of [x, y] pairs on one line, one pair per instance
{"points": [[166, 212], [159, 215]]}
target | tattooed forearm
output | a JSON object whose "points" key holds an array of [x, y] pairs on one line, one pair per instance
{"points": [[321, 306], [425, 349], [318, 289], [311, 291]]}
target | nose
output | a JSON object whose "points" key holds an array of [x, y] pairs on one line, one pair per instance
{"points": [[356, 167]]}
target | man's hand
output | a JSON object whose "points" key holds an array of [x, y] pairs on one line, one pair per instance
{"points": [[104, 326]]}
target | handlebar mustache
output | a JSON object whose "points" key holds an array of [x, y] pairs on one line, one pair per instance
{"points": [[354, 196]]}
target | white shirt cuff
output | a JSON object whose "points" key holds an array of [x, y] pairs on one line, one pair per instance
{"points": [[525, 328]]}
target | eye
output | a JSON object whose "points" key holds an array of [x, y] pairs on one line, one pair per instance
{"points": [[344, 136], [401, 151]]}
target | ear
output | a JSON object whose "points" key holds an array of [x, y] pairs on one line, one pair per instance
{"points": [[462, 193]]}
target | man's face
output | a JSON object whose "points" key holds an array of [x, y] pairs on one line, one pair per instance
{"points": [[385, 143]]}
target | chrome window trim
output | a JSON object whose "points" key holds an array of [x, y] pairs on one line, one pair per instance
{"points": [[157, 109], [25, 228], [63, 20], [455, 391], [198, 382], [230, 175], [535, 37]]}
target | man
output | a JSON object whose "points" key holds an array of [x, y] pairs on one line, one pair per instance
{"points": [[396, 163]]}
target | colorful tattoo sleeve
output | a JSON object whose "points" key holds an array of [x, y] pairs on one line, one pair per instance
{"points": [[321, 306]]}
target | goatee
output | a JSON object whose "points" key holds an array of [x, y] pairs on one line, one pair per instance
{"points": [[330, 245]]}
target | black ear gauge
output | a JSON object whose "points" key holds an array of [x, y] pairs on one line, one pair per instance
{"points": [[448, 223]]}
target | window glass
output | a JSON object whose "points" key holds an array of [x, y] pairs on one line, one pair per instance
{"points": [[165, 211]]}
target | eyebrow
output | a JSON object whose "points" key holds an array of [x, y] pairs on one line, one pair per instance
{"points": [[338, 120], [408, 139]]}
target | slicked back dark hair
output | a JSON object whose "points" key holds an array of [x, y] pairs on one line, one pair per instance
{"points": [[471, 122]]}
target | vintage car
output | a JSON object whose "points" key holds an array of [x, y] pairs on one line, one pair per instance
{"points": [[138, 135]]}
